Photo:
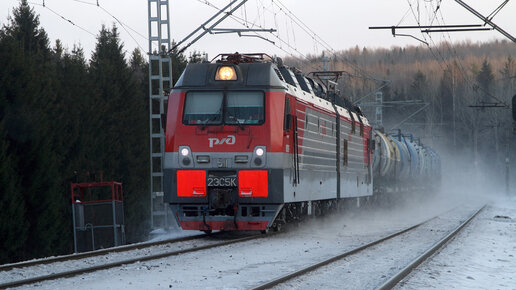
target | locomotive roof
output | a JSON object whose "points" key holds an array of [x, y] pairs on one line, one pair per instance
{"points": [[199, 75], [260, 71]]}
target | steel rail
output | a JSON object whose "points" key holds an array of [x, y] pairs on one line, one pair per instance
{"points": [[76, 272], [328, 261], [77, 256], [389, 284], [312, 267]]}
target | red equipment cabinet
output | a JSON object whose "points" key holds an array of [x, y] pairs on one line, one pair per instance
{"points": [[98, 215]]}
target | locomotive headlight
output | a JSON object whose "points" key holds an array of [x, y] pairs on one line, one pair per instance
{"points": [[226, 73], [258, 156], [185, 156], [259, 151]]}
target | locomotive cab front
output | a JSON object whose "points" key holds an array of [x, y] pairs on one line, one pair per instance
{"points": [[220, 171]]}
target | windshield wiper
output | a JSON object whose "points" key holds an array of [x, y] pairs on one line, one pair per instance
{"points": [[240, 124], [212, 118], [237, 122]]}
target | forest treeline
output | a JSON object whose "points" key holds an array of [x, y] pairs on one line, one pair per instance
{"points": [[462, 91], [60, 117]]}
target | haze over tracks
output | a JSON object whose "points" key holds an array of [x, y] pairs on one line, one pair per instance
{"points": [[245, 265]]}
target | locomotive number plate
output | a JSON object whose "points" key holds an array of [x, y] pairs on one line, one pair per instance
{"points": [[224, 181]]}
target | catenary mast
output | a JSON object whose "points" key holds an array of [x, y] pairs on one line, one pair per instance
{"points": [[160, 82]]}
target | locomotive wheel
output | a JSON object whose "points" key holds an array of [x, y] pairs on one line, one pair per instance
{"points": [[266, 231]]}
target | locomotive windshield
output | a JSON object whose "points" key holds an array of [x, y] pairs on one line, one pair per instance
{"points": [[203, 108], [244, 108], [230, 108]]}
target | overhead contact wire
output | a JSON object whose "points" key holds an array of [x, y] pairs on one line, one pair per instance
{"points": [[62, 17]]}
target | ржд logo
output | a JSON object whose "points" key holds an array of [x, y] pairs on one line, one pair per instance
{"points": [[230, 140]]}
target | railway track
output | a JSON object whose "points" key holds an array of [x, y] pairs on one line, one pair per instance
{"points": [[83, 255], [390, 283], [81, 270]]}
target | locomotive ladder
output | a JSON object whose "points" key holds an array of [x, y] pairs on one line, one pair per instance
{"points": [[160, 82]]}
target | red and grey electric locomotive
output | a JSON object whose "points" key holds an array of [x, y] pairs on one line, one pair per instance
{"points": [[251, 144]]}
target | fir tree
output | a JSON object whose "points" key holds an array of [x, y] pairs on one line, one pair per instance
{"points": [[122, 119], [419, 90], [446, 95], [509, 76], [28, 87], [13, 223], [179, 63], [485, 78]]}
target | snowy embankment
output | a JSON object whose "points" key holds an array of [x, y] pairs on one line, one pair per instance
{"points": [[247, 264], [481, 257]]}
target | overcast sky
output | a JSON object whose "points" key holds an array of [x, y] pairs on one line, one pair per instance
{"points": [[340, 23]]}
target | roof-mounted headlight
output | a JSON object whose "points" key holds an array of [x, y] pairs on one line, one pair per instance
{"points": [[226, 73]]}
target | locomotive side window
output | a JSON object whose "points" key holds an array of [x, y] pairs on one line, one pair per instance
{"points": [[203, 108], [244, 108]]}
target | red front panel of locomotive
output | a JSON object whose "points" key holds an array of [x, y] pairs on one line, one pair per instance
{"points": [[220, 145], [217, 130]]}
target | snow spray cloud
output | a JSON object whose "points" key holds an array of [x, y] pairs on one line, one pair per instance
{"points": [[470, 178]]}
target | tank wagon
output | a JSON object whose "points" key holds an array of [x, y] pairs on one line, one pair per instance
{"points": [[251, 144], [401, 164]]}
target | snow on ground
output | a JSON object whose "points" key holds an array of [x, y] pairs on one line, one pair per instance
{"points": [[111, 257], [162, 235], [481, 257], [371, 267], [247, 264]]}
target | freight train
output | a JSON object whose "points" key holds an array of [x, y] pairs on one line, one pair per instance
{"points": [[252, 144], [401, 164]]}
